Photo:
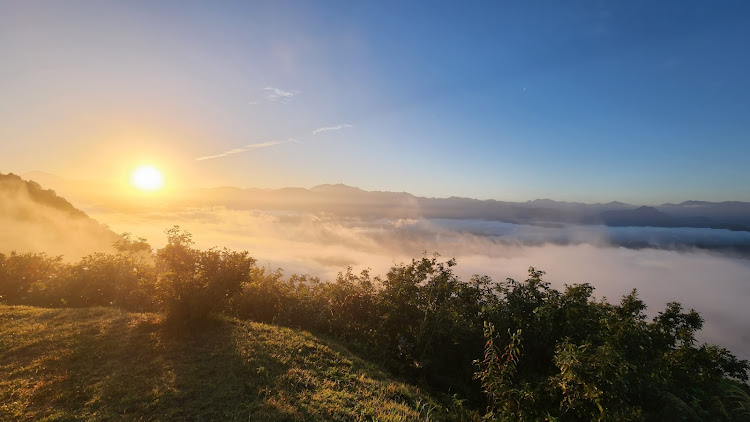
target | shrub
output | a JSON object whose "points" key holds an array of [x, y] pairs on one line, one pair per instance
{"points": [[30, 278], [193, 284], [110, 279], [588, 360]]}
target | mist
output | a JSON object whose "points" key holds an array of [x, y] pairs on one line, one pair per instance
{"points": [[714, 284], [26, 225]]}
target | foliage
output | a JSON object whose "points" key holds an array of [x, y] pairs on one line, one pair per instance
{"points": [[99, 279], [496, 373], [432, 321], [127, 245], [28, 278], [588, 360], [192, 283], [106, 279]]}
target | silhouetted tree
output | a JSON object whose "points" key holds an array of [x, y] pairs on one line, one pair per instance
{"points": [[193, 284]]}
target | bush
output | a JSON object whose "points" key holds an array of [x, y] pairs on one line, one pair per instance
{"points": [[573, 358], [193, 284], [31, 278], [110, 279]]}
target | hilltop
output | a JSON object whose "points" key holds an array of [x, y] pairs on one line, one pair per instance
{"points": [[108, 364]]}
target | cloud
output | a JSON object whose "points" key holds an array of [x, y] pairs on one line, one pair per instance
{"points": [[278, 95], [330, 128], [322, 244], [245, 148]]}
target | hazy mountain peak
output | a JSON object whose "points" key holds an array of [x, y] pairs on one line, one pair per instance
{"points": [[337, 188], [543, 202], [646, 208]]}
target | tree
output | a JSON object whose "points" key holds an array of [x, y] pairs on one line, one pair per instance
{"points": [[192, 283]]}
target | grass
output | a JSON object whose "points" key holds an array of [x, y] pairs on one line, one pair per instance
{"points": [[106, 364]]}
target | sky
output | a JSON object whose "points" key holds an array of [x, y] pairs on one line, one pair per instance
{"points": [[593, 101]]}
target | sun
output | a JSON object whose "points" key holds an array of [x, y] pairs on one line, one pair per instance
{"points": [[147, 178]]}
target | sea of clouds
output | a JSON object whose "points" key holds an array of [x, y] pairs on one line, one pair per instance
{"points": [[717, 285]]}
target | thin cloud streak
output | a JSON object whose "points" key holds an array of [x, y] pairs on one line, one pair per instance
{"points": [[279, 95], [245, 148], [330, 128]]}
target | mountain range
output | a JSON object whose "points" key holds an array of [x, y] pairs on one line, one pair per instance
{"points": [[347, 201], [350, 201]]}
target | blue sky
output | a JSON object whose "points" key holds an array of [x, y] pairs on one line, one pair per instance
{"points": [[636, 101]]}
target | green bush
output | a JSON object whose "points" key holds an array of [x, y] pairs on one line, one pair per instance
{"points": [[110, 279], [192, 284], [30, 278], [573, 358]]}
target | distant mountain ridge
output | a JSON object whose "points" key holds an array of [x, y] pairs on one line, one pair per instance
{"points": [[354, 202], [348, 201]]}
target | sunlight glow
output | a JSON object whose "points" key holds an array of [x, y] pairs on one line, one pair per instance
{"points": [[147, 178]]}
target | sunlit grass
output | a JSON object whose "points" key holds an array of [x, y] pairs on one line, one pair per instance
{"points": [[105, 364]]}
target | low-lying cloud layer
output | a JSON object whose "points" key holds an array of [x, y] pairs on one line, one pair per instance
{"points": [[715, 285]]}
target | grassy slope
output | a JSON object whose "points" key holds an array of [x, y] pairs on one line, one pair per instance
{"points": [[103, 364]]}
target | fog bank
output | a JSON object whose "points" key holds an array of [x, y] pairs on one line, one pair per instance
{"points": [[718, 286]]}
